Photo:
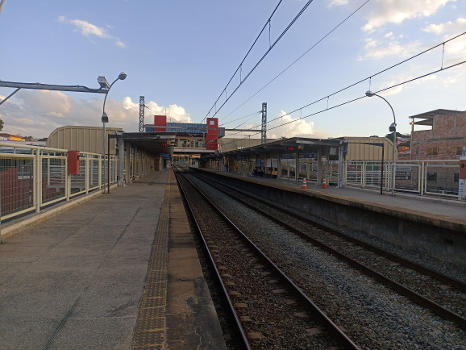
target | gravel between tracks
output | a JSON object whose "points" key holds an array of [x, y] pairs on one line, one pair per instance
{"points": [[449, 297], [424, 258], [373, 315], [271, 315]]}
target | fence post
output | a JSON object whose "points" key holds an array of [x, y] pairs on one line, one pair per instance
{"points": [[86, 174], [34, 177], [48, 171], [38, 180], [423, 179], [345, 173], [115, 169], [100, 171], [67, 185], [363, 174], [419, 174]]}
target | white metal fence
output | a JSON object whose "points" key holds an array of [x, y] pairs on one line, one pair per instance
{"points": [[309, 168], [434, 177], [431, 177], [33, 177]]}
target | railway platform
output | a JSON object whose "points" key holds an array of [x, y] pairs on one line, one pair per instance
{"points": [[404, 225], [435, 211], [118, 272]]}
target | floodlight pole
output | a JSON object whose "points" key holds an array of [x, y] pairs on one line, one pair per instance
{"points": [[393, 127], [6, 98], [121, 76], [38, 86]]}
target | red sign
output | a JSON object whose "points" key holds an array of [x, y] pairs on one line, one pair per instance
{"points": [[462, 169], [212, 134], [160, 123]]}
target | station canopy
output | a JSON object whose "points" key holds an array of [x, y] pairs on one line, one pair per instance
{"points": [[150, 142], [290, 145]]}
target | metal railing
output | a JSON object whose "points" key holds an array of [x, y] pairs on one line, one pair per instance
{"points": [[33, 177], [423, 177], [433, 177], [309, 168]]}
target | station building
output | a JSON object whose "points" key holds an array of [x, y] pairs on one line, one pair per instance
{"points": [[189, 141]]}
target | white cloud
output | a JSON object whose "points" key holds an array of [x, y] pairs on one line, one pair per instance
{"points": [[375, 49], [455, 49], [413, 71], [297, 127], [455, 77], [120, 43], [338, 3], [38, 113], [450, 27], [173, 112], [396, 11], [88, 29]]}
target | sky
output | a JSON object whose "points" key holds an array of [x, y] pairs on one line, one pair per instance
{"points": [[181, 54]]}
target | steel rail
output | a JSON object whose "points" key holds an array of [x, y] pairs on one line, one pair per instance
{"points": [[205, 246], [410, 294], [461, 286], [349, 344]]}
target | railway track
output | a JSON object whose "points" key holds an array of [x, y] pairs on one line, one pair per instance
{"points": [[441, 294], [270, 310]]}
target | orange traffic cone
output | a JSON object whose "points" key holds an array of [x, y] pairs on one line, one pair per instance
{"points": [[304, 185], [324, 183]]}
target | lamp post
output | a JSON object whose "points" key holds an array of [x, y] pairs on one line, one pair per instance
{"points": [[104, 84], [392, 128]]}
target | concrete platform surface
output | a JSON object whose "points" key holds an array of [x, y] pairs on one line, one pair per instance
{"points": [[176, 311], [192, 321], [436, 211], [75, 281]]}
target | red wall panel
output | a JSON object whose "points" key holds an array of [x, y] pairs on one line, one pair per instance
{"points": [[212, 134], [160, 123]]}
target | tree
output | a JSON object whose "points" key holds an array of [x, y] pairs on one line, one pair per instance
{"points": [[390, 136]]}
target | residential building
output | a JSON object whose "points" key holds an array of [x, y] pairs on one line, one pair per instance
{"points": [[445, 138]]}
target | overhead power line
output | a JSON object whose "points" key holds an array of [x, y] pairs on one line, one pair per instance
{"points": [[373, 75], [361, 97], [242, 80], [367, 78], [442, 68], [364, 96], [267, 23], [330, 32], [240, 118]]}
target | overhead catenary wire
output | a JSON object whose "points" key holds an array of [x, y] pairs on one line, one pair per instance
{"points": [[321, 39], [306, 5], [367, 78], [239, 68], [374, 75], [360, 97], [240, 118], [364, 96], [443, 68]]}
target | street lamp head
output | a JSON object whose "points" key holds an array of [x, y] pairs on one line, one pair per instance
{"points": [[392, 127], [122, 76], [104, 118], [369, 93], [103, 82]]}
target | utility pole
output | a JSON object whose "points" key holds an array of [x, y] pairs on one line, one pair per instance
{"points": [[264, 123], [141, 113]]}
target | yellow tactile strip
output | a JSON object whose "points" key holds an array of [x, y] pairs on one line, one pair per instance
{"points": [[150, 332]]}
